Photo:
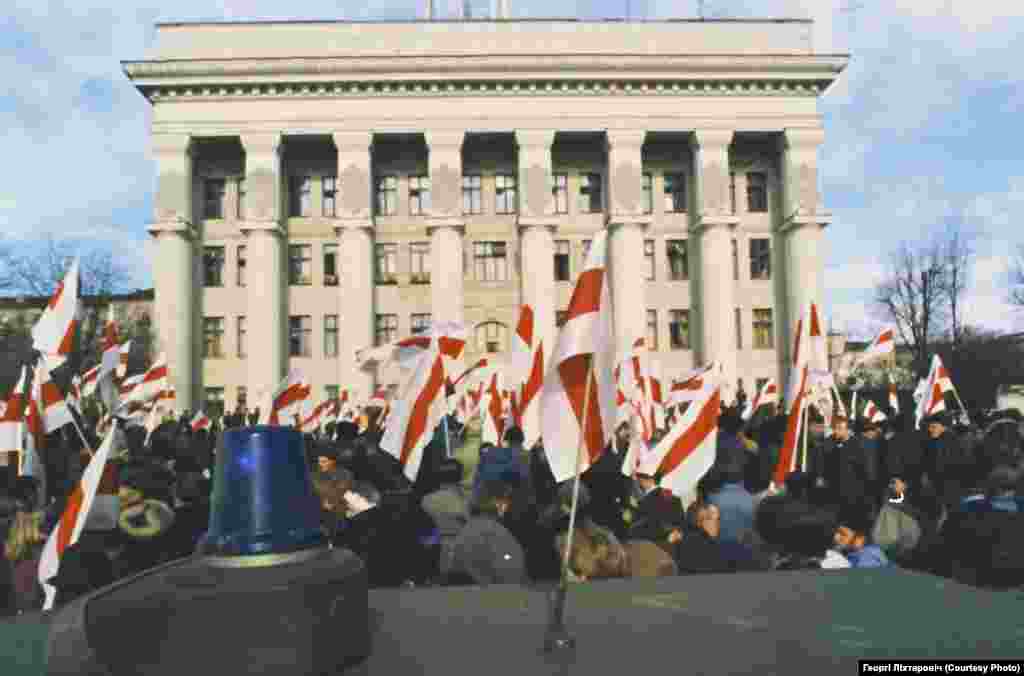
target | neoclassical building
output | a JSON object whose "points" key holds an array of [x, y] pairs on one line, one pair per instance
{"points": [[325, 186]]}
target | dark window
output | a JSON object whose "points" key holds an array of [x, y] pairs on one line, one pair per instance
{"points": [[213, 266], [300, 202], [735, 260], [679, 329], [505, 194], [419, 323], [562, 260], [560, 191], [419, 262], [590, 194], [387, 263], [760, 258], [300, 264], [213, 403], [757, 192], [330, 193], [300, 334], [331, 392], [471, 203], [419, 195], [387, 195], [330, 265], [240, 278], [386, 329], [330, 335], [490, 261], [675, 193], [213, 198], [763, 331], [678, 265], [213, 337]]}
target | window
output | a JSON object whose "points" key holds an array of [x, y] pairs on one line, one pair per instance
{"points": [[331, 392], [490, 261], [678, 265], [330, 335], [240, 267], [647, 187], [241, 397], [757, 192], [419, 195], [560, 318], [590, 194], [213, 337], [562, 260], [739, 329], [732, 192], [419, 262], [735, 260], [679, 329], [675, 193], [387, 195], [300, 264], [299, 196], [471, 195], [652, 330], [505, 194], [560, 191], [241, 198], [490, 337], [329, 191], [240, 338], [586, 250], [385, 329], [419, 323], [213, 402], [760, 258], [300, 333], [763, 331], [213, 198], [330, 265], [213, 266], [387, 263], [649, 263]]}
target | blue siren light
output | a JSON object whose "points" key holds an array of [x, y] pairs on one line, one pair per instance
{"points": [[263, 500]]}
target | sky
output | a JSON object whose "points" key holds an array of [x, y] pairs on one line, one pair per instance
{"points": [[922, 129]]}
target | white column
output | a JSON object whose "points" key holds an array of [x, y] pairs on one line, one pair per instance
{"points": [[267, 312], [173, 264], [354, 228], [537, 226], [799, 232], [626, 225], [712, 227], [445, 225]]}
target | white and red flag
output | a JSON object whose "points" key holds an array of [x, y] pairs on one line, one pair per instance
{"points": [[639, 361], [106, 507], [883, 345], [767, 394], [798, 362], [76, 513], [53, 409], [688, 451], [583, 359], [657, 394], [200, 421], [128, 386], [417, 412], [872, 413], [492, 412], [817, 343], [90, 379], [933, 397], [528, 360], [149, 386], [54, 333], [787, 452], [12, 417], [694, 385], [894, 400], [285, 402], [122, 366]]}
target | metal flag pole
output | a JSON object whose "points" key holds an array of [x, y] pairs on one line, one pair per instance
{"points": [[557, 637]]}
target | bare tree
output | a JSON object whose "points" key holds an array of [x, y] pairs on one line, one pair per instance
{"points": [[1016, 278], [35, 271], [958, 258]]}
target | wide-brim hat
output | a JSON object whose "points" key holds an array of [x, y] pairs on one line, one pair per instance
{"points": [[146, 520]]}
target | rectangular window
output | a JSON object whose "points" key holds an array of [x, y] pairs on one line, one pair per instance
{"points": [[647, 188], [652, 330], [419, 195], [387, 195], [763, 331], [757, 192], [679, 329], [678, 265], [590, 194], [329, 191], [240, 338], [649, 261], [213, 337], [330, 335], [213, 402], [419, 262], [560, 317], [387, 263], [675, 193], [386, 329], [213, 266], [505, 194], [562, 260], [331, 392], [760, 258], [240, 266], [330, 265], [240, 213], [490, 261], [560, 191], [490, 337], [732, 192], [419, 323], [300, 335], [471, 203], [241, 397], [738, 321], [213, 198], [300, 203], [585, 244], [300, 264], [735, 260]]}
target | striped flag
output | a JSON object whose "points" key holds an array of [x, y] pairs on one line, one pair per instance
{"points": [[894, 400], [200, 422], [688, 451], [694, 385], [416, 413], [933, 396], [72, 521], [787, 452], [286, 401], [54, 332], [492, 412], [583, 356], [767, 394], [106, 508], [872, 413], [12, 419], [90, 379], [884, 344], [52, 407]]}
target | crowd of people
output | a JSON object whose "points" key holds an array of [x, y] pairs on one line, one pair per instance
{"points": [[944, 500]]}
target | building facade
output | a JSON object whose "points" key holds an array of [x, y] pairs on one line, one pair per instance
{"points": [[324, 187]]}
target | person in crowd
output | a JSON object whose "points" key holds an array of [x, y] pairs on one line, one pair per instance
{"points": [[733, 500], [331, 488], [22, 551], [655, 509], [448, 506], [851, 539], [497, 461], [373, 533], [798, 536], [595, 554], [610, 490], [947, 463], [82, 571], [485, 552]]}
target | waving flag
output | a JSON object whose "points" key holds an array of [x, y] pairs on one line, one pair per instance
{"points": [[54, 333], [12, 418], [884, 344], [933, 395], [529, 403], [694, 385], [52, 407], [767, 394], [416, 413], [286, 401], [787, 452], [200, 422], [894, 400], [492, 413], [872, 413], [817, 343], [72, 521], [688, 451], [584, 358], [89, 381]]}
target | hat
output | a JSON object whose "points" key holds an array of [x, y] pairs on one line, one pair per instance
{"points": [[82, 568], [941, 418], [487, 553], [149, 519]]}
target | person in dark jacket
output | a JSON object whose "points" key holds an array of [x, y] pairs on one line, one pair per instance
{"points": [[947, 462], [844, 469], [374, 534]]}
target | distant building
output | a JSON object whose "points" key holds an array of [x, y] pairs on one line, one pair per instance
{"points": [[135, 307]]}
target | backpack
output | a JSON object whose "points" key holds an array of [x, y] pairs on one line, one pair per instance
{"points": [[896, 532]]}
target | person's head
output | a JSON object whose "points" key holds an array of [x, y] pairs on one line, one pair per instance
{"points": [[495, 499], [936, 426], [872, 431], [705, 517], [730, 422], [853, 528], [26, 492], [514, 436], [330, 489], [794, 527], [595, 554], [24, 535], [326, 459], [646, 482], [840, 428], [623, 434]]}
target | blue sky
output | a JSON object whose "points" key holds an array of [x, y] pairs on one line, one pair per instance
{"points": [[923, 129]]}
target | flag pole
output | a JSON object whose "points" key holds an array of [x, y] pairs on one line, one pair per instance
{"points": [[803, 452], [557, 637]]}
